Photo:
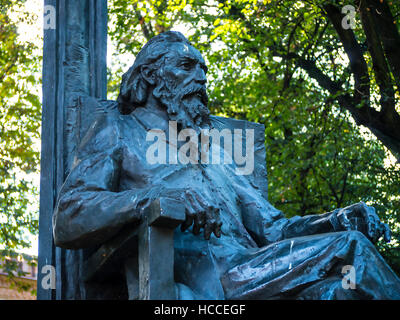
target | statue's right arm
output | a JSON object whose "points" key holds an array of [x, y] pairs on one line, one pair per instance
{"points": [[90, 210]]}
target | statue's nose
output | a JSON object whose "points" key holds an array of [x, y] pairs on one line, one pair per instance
{"points": [[200, 75]]}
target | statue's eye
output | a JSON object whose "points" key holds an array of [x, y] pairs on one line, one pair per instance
{"points": [[187, 66]]}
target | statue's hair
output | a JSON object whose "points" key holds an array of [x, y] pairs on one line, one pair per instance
{"points": [[134, 88]]}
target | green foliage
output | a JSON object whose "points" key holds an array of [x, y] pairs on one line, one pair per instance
{"points": [[20, 115], [317, 158]]}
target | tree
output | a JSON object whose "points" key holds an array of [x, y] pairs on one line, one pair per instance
{"points": [[312, 35], [290, 66], [20, 117], [374, 63]]}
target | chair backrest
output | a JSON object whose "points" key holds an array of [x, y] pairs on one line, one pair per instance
{"points": [[82, 112], [258, 177]]}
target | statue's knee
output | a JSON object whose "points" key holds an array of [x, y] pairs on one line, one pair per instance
{"points": [[183, 292]]}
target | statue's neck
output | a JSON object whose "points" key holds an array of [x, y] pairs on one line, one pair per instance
{"points": [[154, 105]]}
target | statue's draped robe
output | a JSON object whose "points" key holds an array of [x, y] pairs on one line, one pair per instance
{"points": [[259, 254]]}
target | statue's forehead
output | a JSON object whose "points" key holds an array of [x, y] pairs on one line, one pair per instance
{"points": [[179, 50]]}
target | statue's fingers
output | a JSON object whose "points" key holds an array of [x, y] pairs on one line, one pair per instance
{"points": [[196, 226], [209, 223], [387, 232], [369, 218], [202, 218], [218, 223], [372, 211], [198, 223], [207, 230], [188, 221], [202, 206], [372, 229], [213, 218], [196, 229], [345, 222], [375, 230], [379, 230], [217, 229]]}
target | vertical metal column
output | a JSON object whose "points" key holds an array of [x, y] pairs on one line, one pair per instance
{"points": [[74, 64]]}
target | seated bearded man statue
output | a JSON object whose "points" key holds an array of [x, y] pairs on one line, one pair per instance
{"points": [[248, 249]]}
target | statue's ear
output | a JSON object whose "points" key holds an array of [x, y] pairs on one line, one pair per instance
{"points": [[139, 90], [133, 92], [148, 74]]}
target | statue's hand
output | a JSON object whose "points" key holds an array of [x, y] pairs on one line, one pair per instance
{"points": [[363, 218], [202, 213]]}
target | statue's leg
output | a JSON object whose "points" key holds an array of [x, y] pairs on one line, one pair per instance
{"points": [[311, 267], [365, 276]]}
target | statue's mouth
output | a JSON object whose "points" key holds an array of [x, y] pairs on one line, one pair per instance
{"points": [[198, 93]]}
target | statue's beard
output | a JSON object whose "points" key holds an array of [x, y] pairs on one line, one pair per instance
{"points": [[187, 107]]}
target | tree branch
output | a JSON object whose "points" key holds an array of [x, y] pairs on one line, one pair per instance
{"points": [[353, 50], [381, 69], [390, 37]]}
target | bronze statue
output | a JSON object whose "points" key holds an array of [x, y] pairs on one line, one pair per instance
{"points": [[248, 250]]}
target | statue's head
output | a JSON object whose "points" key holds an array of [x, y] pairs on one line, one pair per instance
{"points": [[174, 72]]}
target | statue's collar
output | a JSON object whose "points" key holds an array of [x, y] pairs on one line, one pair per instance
{"points": [[150, 119]]}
